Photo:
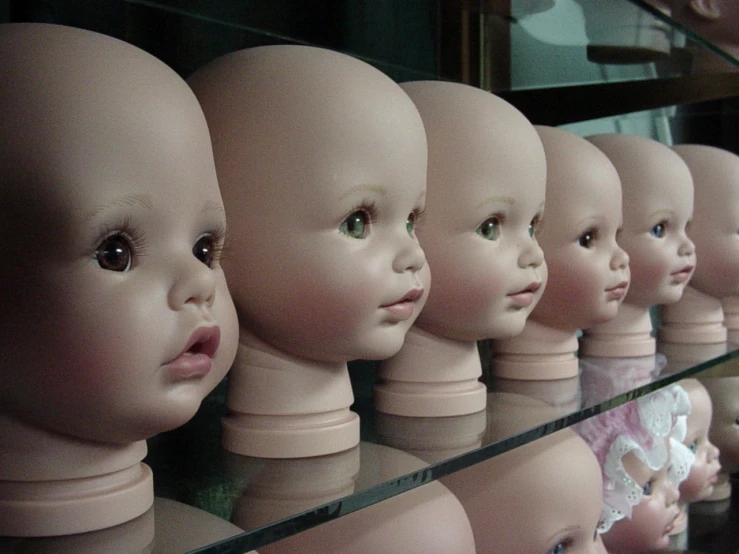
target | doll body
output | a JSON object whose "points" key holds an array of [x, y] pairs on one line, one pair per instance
{"points": [[486, 185], [588, 271], [657, 206], [699, 318], [123, 321], [705, 468], [322, 165]]}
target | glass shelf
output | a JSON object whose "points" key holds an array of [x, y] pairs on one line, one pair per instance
{"points": [[273, 499]]}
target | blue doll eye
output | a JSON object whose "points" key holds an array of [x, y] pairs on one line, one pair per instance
{"points": [[490, 228], [693, 446], [658, 230], [559, 549], [647, 490]]}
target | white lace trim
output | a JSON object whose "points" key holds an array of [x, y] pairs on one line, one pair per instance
{"points": [[681, 461], [662, 414]]}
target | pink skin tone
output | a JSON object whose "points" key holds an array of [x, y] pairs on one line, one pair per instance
{"points": [[657, 206], [485, 201], [588, 270], [715, 227], [326, 265], [122, 320], [652, 519], [704, 472], [715, 20]]}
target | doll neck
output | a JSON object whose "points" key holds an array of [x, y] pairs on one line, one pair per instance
{"points": [[431, 376], [730, 305], [628, 335], [282, 406], [695, 319], [53, 484], [540, 352]]}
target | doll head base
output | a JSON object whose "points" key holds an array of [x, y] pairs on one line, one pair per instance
{"points": [[431, 376], [302, 408], [628, 335], [695, 319], [54, 485], [730, 305], [540, 352]]}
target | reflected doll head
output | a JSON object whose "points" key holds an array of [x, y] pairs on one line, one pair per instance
{"points": [[657, 208], [485, 201], [704, 471], [588, 271], [121, 321], [323, 184]]}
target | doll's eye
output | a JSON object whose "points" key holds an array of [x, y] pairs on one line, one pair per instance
{"points": [[647, 490], [736, 421], [355, 225], [410, 223], [587, 238], [534, 225], [693, 447], [658, 230], [489, 229], [114, 253], [561, 547], [205, 249]]}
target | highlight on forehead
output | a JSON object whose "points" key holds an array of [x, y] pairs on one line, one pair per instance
{"points": [[663, 212]]}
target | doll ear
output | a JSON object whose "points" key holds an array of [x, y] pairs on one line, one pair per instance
{"points": [[707, 9]]}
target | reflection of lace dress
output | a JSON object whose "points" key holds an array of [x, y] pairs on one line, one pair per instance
{"points": [[642, 427], [603, 378]]}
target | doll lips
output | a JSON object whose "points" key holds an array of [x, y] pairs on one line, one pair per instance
{"points": [[196, 358], [683, 275], [525, 297], [617, 292], [403, 309]]}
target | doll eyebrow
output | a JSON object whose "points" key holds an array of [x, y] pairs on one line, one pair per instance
{"points": [[126, 201], [497, 200], [379, 189], [661, 212]]}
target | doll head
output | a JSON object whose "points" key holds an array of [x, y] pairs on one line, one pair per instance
{"points": [[121, 321], [486, 185], [588, 271], [322, 164], [631, 443], [657, 207], [715, 20], [704, 471], [724, 431], [715, 227], [551, 488]]}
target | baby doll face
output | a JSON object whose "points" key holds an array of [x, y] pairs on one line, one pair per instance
{"points": [[704, 471], [485, 200], [588, 270], [657, 207], [324, 185], [724, 431], [653, 518], [715, 228], [121, 320]]}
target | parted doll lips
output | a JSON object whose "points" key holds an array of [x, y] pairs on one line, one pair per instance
{"points": [[196, 358], [525, 297], [617, 292], [683, 274], [403, 308]]}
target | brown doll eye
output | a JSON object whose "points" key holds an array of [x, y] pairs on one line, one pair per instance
{"points": [[205, 249], [114, 253]]}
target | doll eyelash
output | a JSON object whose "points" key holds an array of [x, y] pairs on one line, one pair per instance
{"points": [[129, 231], [367, 206]]}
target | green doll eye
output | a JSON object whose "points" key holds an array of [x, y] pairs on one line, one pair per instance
{"points": [[355, 225], [489, 229], [410, 223]]}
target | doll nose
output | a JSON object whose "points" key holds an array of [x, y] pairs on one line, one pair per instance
{"points": [[194, 284], [713, 452], [620, 259], [672, 494], [531, 256], [411, 256], [686, 248]]}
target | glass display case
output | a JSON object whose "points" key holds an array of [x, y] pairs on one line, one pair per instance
{"points": [[561, 62]]}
